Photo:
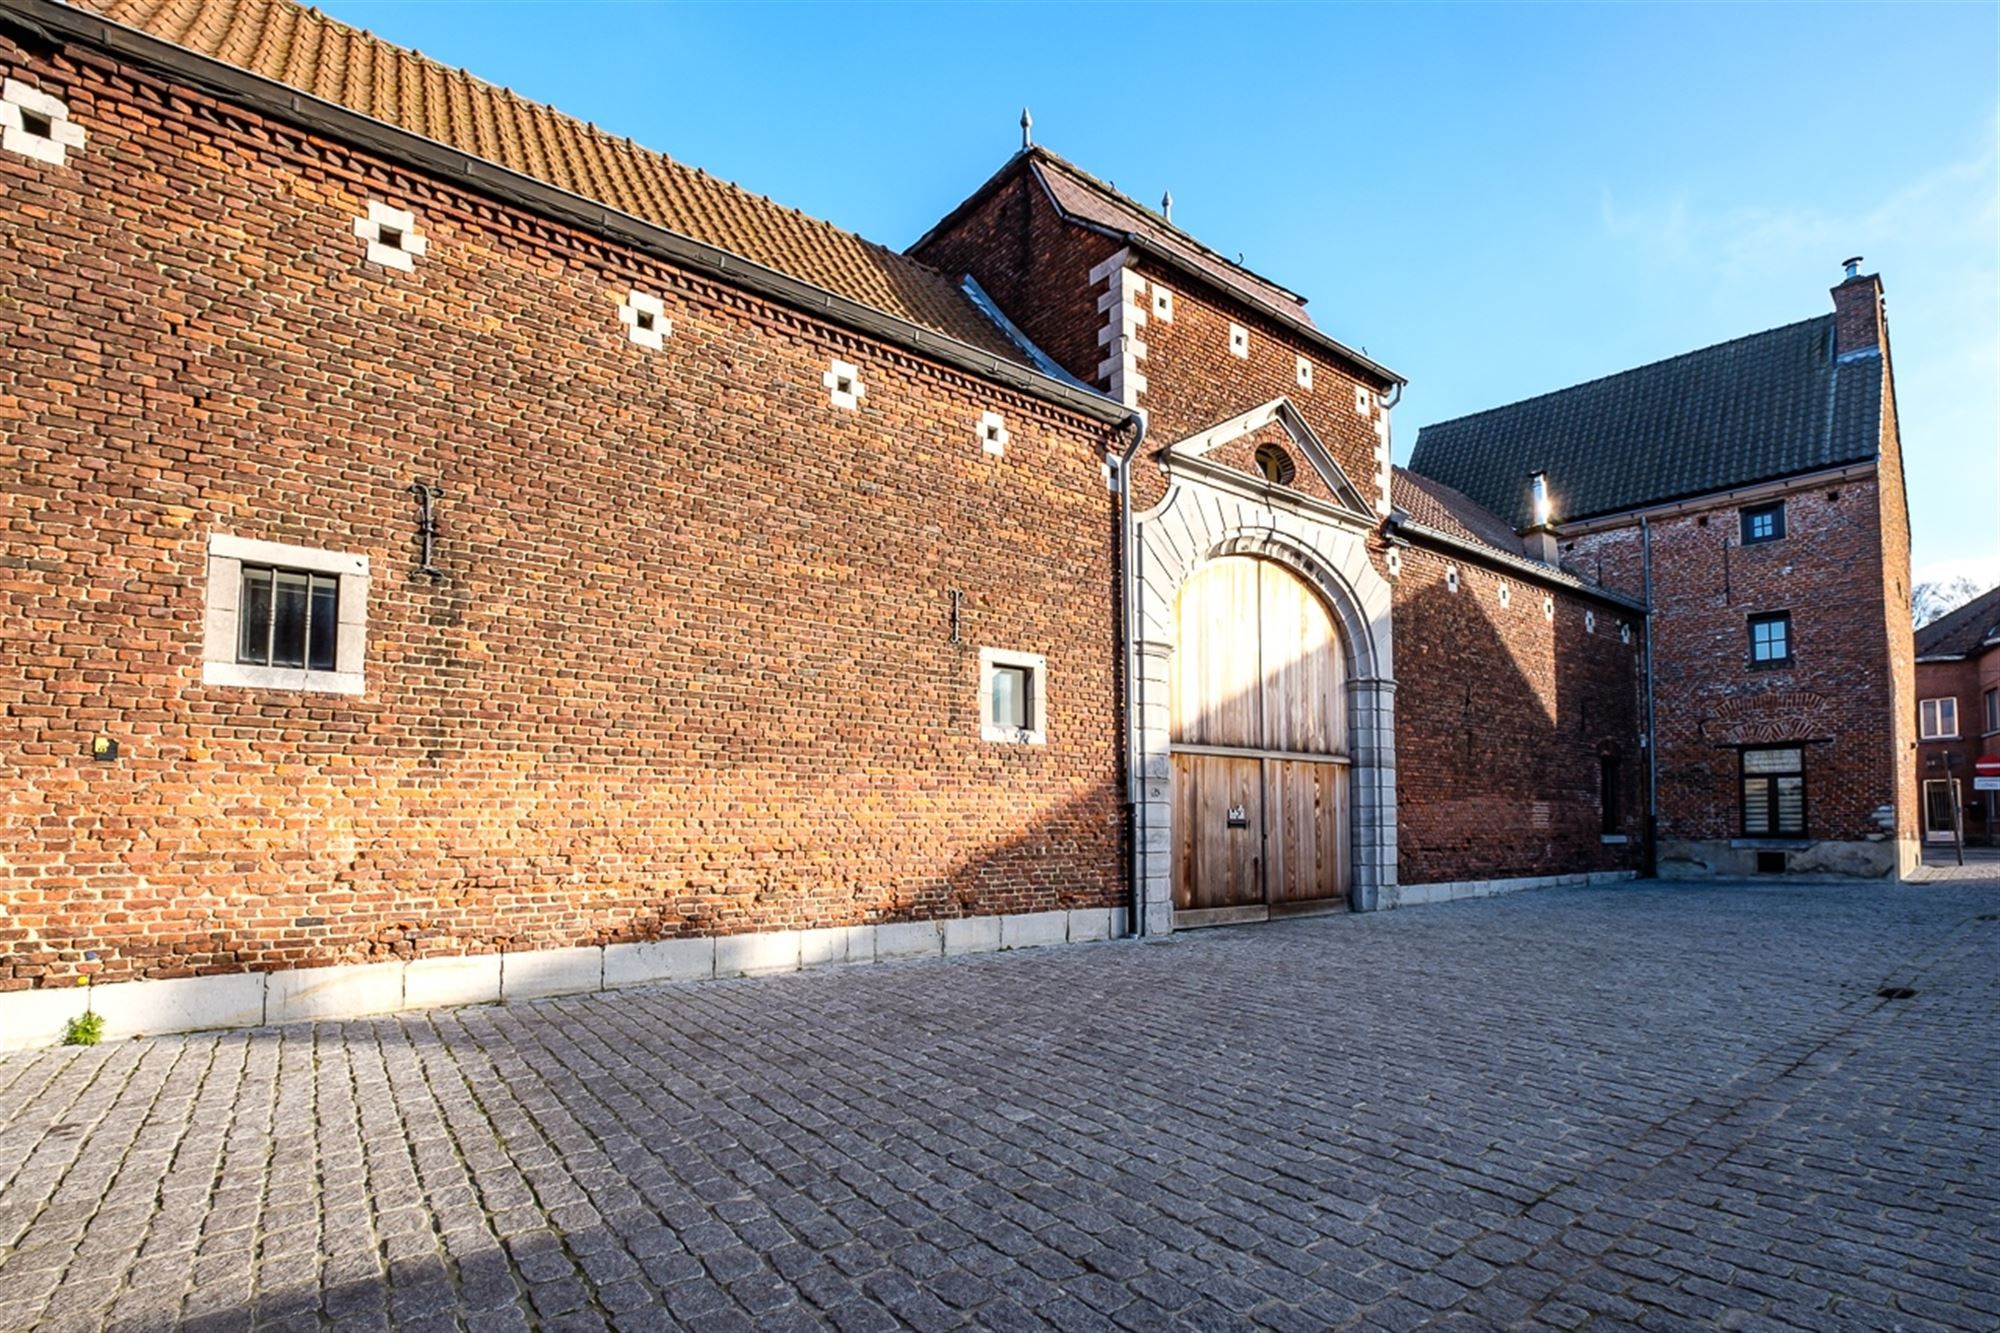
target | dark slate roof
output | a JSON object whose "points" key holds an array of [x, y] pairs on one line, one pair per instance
{"points": [[1454, 513], [1961, 633], [1771, 405]]}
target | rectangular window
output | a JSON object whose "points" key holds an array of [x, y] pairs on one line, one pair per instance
{"points": [[1774, 793], [1992, 711], [1013, 697], [1771, 639], [288, 618], [1607, 794], [1010, 697], [1764, 523], [1939, 719]]}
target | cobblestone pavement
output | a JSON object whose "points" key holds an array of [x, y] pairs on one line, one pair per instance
{"points": [[1632, 1106]]}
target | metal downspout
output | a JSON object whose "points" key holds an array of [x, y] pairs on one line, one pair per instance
{"points": [[1129, 633], [1651, 735]]}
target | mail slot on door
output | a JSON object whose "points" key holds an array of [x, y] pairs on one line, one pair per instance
{"points": [[1237, 817]]}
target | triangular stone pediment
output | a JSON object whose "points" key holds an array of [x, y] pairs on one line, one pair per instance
{"points": [[1279, 421]]}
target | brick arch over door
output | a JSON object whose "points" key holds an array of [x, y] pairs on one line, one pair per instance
{"points": [[1195, 523]]}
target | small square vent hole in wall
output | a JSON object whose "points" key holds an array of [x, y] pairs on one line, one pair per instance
{"points": [[1771, 863], [36, 125]]}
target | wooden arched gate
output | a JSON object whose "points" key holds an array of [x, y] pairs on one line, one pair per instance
{"points": [[1259, 741]]}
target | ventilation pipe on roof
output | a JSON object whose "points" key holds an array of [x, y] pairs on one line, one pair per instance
{"points": [[1539, 537], [1853, 266]]}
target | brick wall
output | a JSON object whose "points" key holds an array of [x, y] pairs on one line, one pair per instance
{"points": [[1965, 680], [1837, 695], [1035, 266], [1194, 381], [688, 667], [1502, 716]]}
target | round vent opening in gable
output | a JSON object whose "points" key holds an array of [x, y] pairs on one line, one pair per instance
{"points": [[1276, 464]]}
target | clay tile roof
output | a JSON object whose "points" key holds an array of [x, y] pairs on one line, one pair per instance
{"points": [[1962, 632], [307, 50], [1771, 405], [1442, 509]]}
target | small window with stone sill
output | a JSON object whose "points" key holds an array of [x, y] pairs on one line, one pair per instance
{"points": [[1992, 711], [1763, 523], [284, 617], [1013, 697]]}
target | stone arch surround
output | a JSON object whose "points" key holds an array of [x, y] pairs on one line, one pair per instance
{"points": [[1200, 520]]}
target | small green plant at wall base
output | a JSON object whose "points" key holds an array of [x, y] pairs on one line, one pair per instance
{"points": [[86, 1029]]}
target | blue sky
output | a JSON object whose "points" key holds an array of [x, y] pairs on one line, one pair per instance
{"points": [[1496, 201]]}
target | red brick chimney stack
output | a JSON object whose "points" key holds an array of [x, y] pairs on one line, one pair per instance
{"points": [[1857, 311]]}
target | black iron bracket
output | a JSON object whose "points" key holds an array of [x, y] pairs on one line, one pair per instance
{"points": [[427, 498]]}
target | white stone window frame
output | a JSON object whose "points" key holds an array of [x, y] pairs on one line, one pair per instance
{"points": [[1931, 718], [844, 373], [1451, 578], [645, 319], [1361, 400], [1393, 562], [1506, 594], [1239, 342], [1548, 608], [392, 236], [1163, 304], [1624, 632], [1305, 374], [20, 105], [226, 557], [1037, 667], [1589, 622], [993, 435]]}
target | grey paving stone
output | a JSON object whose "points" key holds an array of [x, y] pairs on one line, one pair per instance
{"points": [[1657, 1106]]}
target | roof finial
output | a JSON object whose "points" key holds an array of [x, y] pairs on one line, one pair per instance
{"points": [[1167, 205], [1027, 129]]}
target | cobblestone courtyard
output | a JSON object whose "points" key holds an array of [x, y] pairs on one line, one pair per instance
{"points": [[1657, 1106]]}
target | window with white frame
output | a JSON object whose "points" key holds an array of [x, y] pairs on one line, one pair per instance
{"points": [[284, 617], [1939, 719], [1992, 711], [1239, 341], [1013, 697]]}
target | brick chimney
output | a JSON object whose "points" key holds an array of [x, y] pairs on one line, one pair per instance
{"points": [[1857, 312]]}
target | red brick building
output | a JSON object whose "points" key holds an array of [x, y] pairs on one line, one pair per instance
{"points": [[452, 553], [1751, 494], [1958, 719]]}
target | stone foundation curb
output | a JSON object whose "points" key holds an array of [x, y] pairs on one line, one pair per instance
{"points": [[1421, 895], [34, 1018]]}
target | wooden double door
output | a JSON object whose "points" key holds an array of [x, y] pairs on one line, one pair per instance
{"points": [[1259, 742]]}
